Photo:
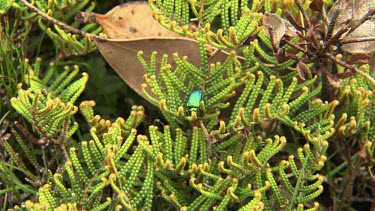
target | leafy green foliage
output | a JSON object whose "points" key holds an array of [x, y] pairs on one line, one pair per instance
{"points": [[65, 44], [237, 21], [50, 107]]}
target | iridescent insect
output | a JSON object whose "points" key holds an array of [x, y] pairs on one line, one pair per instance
{"points": [[193, 103]]}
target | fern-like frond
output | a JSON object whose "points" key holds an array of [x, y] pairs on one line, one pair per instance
{"points": [[49, 106], [65, 43], [238, 21]]}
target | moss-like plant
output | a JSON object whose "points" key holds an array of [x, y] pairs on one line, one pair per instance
{"points": [[259, 138]]}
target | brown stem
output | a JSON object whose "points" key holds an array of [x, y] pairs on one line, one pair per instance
{"points": [[294, 57], [324, 15], [210, 139], [274, 46], [293, 21], [305, 17], [331, 25], [336, 36], [26, 133], [347, 194], [62, 139], [294, 45], [350, 67], [359, 39], [61, 24], [355, 24]]}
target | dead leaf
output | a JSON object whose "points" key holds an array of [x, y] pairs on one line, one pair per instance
{"points": [[332, 79], [274, 27], [293, 21], [121, 54], [358, 58], [290, 30], [128, 21], [303, 71], [344, 75], [362, 38], [131, 28]]}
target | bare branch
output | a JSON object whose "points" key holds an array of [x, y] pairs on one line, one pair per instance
{"points": [[350, 67], [305, 17]]}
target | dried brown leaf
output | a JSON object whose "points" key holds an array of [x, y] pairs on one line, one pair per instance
{"points": [[274, 27], [290, 31], [334, 81], [121, 54], [303, 71], [344, 75], [362, 38], [293, 21], [128, 21], [131, 28], [358, 58]]}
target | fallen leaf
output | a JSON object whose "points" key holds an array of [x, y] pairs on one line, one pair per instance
{"points": [[131, 28], [303, 71], [358, 58], [128, 21], [334, 81], [121, 54], [290, 30], [362, 38], [274, 27]]}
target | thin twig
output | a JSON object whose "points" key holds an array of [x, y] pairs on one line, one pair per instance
{"points": [[324, 15], [26, 133], [294, 45], [353, 171], [359, 39], [350, 67], [59, 23], [336, 36], [274, 46], [331, 26], [210, 139], [356, 24], [295, 57], [304, 14], [293, 21], [314, 43]]}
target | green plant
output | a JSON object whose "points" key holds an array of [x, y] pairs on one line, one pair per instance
{"points": [[260, 138]]}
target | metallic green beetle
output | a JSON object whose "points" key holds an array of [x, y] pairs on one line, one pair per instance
{"points": [[194, 99]]}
